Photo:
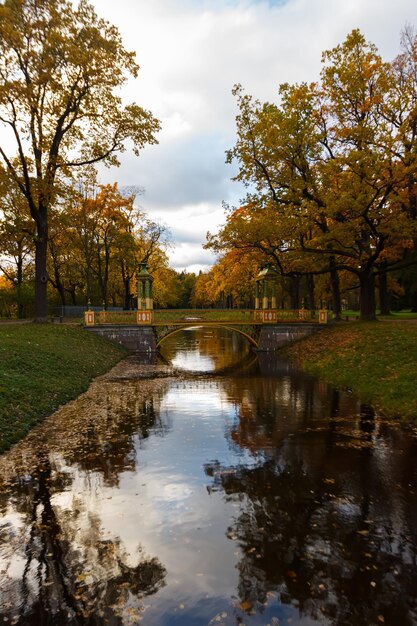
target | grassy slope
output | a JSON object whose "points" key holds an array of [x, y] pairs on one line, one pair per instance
{"points": [[377, 360], [42, 367]]}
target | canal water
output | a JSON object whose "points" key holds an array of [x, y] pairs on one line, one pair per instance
{"points": [[238, 491]]}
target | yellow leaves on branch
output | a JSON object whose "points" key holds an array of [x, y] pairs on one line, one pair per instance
{"points": [[331, 167]]}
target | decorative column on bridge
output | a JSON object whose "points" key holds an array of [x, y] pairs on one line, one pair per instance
{"points": [[266, 294], [145, 297]]}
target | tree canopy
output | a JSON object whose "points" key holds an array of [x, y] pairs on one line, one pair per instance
{"points": [[331, 170], [61, 69]]}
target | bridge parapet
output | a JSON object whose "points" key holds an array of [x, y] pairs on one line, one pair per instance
{"points": [[276, 316], [121, 318], [180, 317], [185, 316]]}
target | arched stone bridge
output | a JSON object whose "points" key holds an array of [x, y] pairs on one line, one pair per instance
{"points": [[145, 331], [250, 331]]}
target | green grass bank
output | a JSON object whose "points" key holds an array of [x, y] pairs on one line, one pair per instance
{"points": [[43, 366], [377, 360]]}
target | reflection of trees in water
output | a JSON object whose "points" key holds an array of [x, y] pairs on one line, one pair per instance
{"points": [[269, 408], [69, 575], [331, 534], [325, 523], [57, 567], [109, 445], [100, 432]]}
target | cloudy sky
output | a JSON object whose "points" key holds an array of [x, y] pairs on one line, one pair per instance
{"points": [[191, 53]]}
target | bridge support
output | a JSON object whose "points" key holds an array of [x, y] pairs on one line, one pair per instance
{"points": [[135, 338], [274, 337], [268, 338]]}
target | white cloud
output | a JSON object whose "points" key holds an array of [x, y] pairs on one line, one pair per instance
{"points": [[188, 229], [192, 52]]}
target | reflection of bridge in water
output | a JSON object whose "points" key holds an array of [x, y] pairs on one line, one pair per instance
{"points": [[144, 330]]}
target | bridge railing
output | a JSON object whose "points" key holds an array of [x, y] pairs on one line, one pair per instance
{"points": [[185, 316], [159, 317], [115, 317], [272, 316], [234, 316]]}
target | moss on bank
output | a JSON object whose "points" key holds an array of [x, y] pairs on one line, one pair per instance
{"points": [[376, 360], [42, 367]]}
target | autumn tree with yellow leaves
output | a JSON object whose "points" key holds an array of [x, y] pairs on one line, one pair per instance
{"points": [[230, 282], [331, 171], [96, 244], [16, 241], [61, 67]]}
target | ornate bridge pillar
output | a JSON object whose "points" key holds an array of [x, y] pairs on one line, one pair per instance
{"points": [[145, 280], [266, 287]]}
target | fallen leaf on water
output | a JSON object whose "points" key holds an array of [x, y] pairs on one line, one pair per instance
{"points": [[245, 605]]}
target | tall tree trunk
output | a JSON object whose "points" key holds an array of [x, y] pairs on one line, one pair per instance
{"points": [[295, 292], [71, 290], [87, 256], [103, 275], [41, 275], [412, 290], [19, 282], [384, 297], [310, 289], [335, 287], [126, 294], [367, 295], [106, 278], [88, 284], [61, 292], [57, 283]]}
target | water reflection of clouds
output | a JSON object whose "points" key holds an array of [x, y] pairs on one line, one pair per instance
{"points": [[175, 492], [213, 481], [12, 530], [205, 397], [171, 521], [193, 361], [165, 501]]}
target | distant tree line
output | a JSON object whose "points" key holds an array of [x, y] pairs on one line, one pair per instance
{"points": [[97, 237]]}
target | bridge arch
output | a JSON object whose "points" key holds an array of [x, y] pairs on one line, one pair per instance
{"points": [[176, 329]]}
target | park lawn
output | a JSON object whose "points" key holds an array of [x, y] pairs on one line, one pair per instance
{"points": [[376, 360], [43, 366], [405, 314]]}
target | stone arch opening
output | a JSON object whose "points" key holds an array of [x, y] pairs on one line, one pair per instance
{"points": [[177, 329]]}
